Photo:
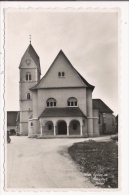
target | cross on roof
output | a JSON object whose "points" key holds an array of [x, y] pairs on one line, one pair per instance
{"points": [[30, 38]]}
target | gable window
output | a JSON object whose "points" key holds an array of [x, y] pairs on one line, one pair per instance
{"points": [[28, 96], [72, 102], [28, 76], [51, 102], [61, 74]]}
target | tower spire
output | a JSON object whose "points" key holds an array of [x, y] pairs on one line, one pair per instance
{"points": [[30, 39]]}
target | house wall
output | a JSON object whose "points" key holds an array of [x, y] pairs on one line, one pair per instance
{"points": [[113, 124], [26, 105], [24, 128], [85, 128], [101, 125], [61, 96], [35, 129], [95, 122], [25, 115], [25, 88], [108, 123], [89, 112]]}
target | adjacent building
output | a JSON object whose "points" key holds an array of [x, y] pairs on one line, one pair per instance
{"points": [[13, 118], [106, 121]]}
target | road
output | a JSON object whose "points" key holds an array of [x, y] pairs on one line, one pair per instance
{"points": [[42, 163]]}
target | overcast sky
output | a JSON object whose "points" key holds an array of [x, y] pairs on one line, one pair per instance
{"points": [[89, 40]]}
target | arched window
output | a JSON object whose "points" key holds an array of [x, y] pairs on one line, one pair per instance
{"points": [[51, 102], [28, 76], [72, 102], [28, 96]]}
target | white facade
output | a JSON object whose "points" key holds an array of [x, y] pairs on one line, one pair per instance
{"points": [[60, 104]]}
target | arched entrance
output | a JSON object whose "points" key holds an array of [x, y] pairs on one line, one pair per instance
{"points": [[48, 128], [62, 128], [74, 127]]}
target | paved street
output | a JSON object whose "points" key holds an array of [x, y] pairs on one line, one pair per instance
{"points": [[42, 163]]}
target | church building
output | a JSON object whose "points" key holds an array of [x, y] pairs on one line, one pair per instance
{"points": [[60, 103]]}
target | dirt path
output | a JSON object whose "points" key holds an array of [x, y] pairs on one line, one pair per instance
{"points": [[42, 163]]}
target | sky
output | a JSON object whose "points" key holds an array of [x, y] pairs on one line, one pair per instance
{"points": [[88, 39]]}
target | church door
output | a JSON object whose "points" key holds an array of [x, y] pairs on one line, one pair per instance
{"points": [[62, 128]]}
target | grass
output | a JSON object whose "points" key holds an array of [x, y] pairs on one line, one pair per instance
{"points": [[98, 160]]}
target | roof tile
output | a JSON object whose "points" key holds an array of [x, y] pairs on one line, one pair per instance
{"points": [[62, 112], [101, 106]]}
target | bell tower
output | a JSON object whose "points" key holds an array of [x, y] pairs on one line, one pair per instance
{"points": [[29, 76]]}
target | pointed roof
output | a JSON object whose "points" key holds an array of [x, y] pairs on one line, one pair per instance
{"points": [[83, 80], [30, 50], [101, 106]]}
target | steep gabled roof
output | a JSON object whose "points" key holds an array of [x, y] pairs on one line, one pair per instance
{"points": [[30, 50], [87, 84], [82, 79], [12, 118], [101, 106], [62, 112]]}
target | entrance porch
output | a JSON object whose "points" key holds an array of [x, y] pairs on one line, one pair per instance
{"points": [[64, 122], [63, 127]]}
